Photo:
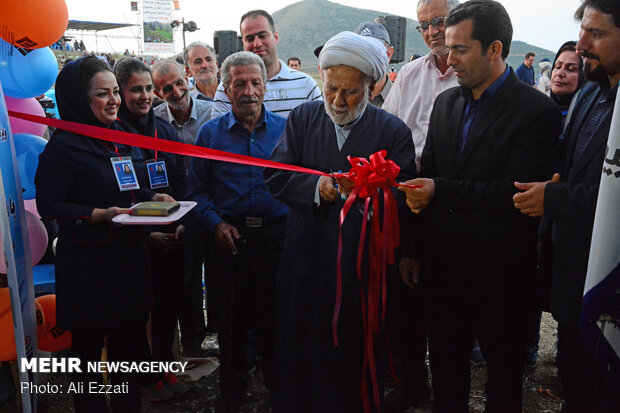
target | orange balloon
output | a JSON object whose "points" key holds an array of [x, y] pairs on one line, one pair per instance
{"points": [[7, 343], [7, 336], [33, 24], [55, 339]]}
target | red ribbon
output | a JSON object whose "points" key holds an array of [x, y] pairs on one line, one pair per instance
{"points": [[368, 177], [163, 145]]}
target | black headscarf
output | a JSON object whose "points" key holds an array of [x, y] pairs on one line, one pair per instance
{"points": [[564, 101], [129, 121], [72, 89]]}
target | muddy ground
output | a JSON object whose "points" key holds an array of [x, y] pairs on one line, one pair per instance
{"points": [[539, 390]]}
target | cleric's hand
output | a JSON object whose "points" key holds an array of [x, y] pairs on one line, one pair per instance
{"points": [[345, 186], [327, 190]]}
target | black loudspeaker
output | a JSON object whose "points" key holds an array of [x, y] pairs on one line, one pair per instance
{"points": [[396, 27], [225, 43]]}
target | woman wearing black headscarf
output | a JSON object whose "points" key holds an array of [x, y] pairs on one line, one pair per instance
{"points": [[566, 80], [166, 175], [566, 76], [102, 285]]}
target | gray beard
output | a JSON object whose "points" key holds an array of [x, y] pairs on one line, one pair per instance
{"points": [[353, 114], [177, 106]]}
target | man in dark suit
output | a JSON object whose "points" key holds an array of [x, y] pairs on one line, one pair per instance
{"points": [[571, 203], [480, 253]]}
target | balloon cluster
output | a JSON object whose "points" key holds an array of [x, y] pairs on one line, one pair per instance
{"points": [[49, 336], [28, 68]]}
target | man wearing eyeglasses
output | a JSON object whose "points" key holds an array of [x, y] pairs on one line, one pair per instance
{"points": [[419, 82], [411, 99]]}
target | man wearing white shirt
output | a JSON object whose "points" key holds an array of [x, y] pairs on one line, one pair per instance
{"points": [[201, 64], [286, 87], [419, 82], [411, 98], [186, 115]]}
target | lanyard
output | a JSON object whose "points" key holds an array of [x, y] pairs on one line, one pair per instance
{"points": [[110, 148]]}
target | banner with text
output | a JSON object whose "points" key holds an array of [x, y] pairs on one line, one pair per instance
{"points": [[600, 316], [16, 244], [156, 18]]}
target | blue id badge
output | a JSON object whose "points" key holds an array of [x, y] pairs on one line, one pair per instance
{"points": [[124, 173], [158, 176]]}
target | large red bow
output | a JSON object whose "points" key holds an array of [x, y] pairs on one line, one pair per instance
{"points": [[370, 180]]}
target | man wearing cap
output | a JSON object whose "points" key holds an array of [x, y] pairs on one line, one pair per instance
{"points": [[286, 87], [378, 32], [312, 374]]}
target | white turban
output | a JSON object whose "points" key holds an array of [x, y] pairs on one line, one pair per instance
{"points": [[347, 48]]}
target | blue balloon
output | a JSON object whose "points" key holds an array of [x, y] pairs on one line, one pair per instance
{"points": [[27, 149], [26, 73]]}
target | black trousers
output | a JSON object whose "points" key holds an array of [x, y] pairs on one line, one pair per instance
{"points": [[170, 280], [248, 302], [125, 343], [190, 310], [407, 333], [500, 332], [214, 286], [584, 385]]}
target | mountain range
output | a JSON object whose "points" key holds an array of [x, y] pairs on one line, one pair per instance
{"points": [[305, 25]]}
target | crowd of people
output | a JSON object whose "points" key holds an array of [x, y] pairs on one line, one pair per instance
{"points": [[496, 214]]}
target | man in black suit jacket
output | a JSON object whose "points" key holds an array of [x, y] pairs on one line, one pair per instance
{"points": [[480, 256], [571, 204]]}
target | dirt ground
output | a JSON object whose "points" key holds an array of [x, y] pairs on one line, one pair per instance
{"points": [[539, 390]]}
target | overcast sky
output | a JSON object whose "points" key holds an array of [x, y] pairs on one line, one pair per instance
{"points": [[544, 23]]}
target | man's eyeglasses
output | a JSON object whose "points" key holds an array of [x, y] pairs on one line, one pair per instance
{"points": [[436, 22]]}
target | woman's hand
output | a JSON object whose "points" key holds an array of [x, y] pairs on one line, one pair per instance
{"points": [[180, 232], [162, 198], [105, 215], [160, 241]]}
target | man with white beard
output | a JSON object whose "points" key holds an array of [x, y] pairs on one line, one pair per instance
{"points": [[311, 373], [186, 115]]}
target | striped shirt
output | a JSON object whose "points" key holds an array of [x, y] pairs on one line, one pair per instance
{"points": [[285, 91]]}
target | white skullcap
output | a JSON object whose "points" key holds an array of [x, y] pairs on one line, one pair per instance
{"points": [[350, 49]]}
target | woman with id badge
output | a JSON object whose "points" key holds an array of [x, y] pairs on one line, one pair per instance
{"points": [[166, 174], [102, 281]]}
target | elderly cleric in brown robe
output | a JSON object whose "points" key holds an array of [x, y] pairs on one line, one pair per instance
{"points": [[312, 374]]}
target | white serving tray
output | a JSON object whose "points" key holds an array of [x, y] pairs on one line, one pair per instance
{"points": [[126, 219]]}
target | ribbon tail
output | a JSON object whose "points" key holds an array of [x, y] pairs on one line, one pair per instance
{"points": [[360, 249], [343, 214]]}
